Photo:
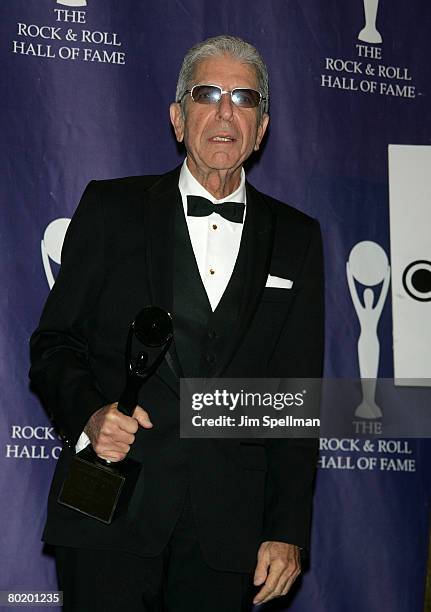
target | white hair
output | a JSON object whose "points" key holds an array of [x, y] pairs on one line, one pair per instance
{"points": [[224, 45]]}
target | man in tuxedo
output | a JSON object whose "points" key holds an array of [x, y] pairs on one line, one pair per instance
{"points": [[213, 524]]}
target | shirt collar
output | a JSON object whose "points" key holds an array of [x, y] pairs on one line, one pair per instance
{"points": [[190, 186]]}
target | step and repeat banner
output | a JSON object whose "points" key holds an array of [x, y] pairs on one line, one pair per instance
{"points": [[86, 86]]}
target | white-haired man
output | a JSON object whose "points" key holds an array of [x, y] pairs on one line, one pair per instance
{"points": [[214, 523]]}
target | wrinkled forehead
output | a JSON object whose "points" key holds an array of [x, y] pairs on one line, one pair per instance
{"points": [[226, 71]]}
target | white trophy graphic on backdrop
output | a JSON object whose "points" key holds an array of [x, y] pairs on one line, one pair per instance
{"points": [[51, 245], [369, 32], [72, 2], [368, 265]]}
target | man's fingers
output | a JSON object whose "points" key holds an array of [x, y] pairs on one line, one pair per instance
{"points": [[112, 433], [284, 567], [270, 590], [127, 424], [120, 447], [285, 583], [280, 580], [122, 421], [289, 583], [130, 424], [111, 455], [142, 417], [271, 583], [261, 571], [122, 437], [260, 575], [108, 447], [262, 565]]}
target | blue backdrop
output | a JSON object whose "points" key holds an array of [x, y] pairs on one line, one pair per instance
{"points": [[86, 92]]}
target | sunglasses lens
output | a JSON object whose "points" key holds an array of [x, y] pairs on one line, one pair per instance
{"points": [[211, 94], [206, 94], [246, 98]]}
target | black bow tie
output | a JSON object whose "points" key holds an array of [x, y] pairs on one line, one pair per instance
{"points": [[198, 206]]}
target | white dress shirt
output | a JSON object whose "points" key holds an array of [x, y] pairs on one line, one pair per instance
{"points": [[215, 242]]}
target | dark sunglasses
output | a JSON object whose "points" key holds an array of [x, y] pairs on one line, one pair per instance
{"points": [[211, 94]]}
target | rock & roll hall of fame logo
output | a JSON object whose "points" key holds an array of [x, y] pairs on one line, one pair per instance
{"points": [[368, 267]]}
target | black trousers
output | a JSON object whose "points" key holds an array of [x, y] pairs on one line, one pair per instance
{"points": [[178, 580]]}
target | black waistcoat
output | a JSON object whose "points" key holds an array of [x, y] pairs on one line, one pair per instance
{"points": [[201, 335]]}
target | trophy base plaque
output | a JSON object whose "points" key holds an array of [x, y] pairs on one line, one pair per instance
{"points": [[99, 490]]}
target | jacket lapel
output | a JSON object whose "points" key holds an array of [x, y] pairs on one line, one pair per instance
{"points": [[257, 239], [162, 198]]}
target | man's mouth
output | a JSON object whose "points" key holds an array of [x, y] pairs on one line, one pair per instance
{"points": [[222, 139]]}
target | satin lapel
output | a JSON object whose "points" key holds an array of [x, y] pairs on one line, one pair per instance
{"points": [[257, 239], [159, 217]]}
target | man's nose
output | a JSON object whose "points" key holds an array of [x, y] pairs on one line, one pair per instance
{"points": [[225, 107]]}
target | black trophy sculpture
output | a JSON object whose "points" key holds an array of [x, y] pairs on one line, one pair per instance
{"points": [[96, 487]]}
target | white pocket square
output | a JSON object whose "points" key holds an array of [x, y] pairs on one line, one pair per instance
{"points": [[278, 283]]}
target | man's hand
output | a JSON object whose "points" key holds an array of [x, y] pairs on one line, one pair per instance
{"points": [[111, 433], [284, 566]]}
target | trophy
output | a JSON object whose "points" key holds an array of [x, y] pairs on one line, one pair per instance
{"points": [[96, 487]]}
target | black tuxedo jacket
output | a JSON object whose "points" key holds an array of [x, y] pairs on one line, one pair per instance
{"points": [[118, 257]]}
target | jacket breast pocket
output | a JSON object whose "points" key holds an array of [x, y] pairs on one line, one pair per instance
{"points": [[271, 294]]}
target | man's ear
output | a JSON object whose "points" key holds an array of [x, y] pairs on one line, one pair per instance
{"points": [[261, 130], [177, 120]]}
